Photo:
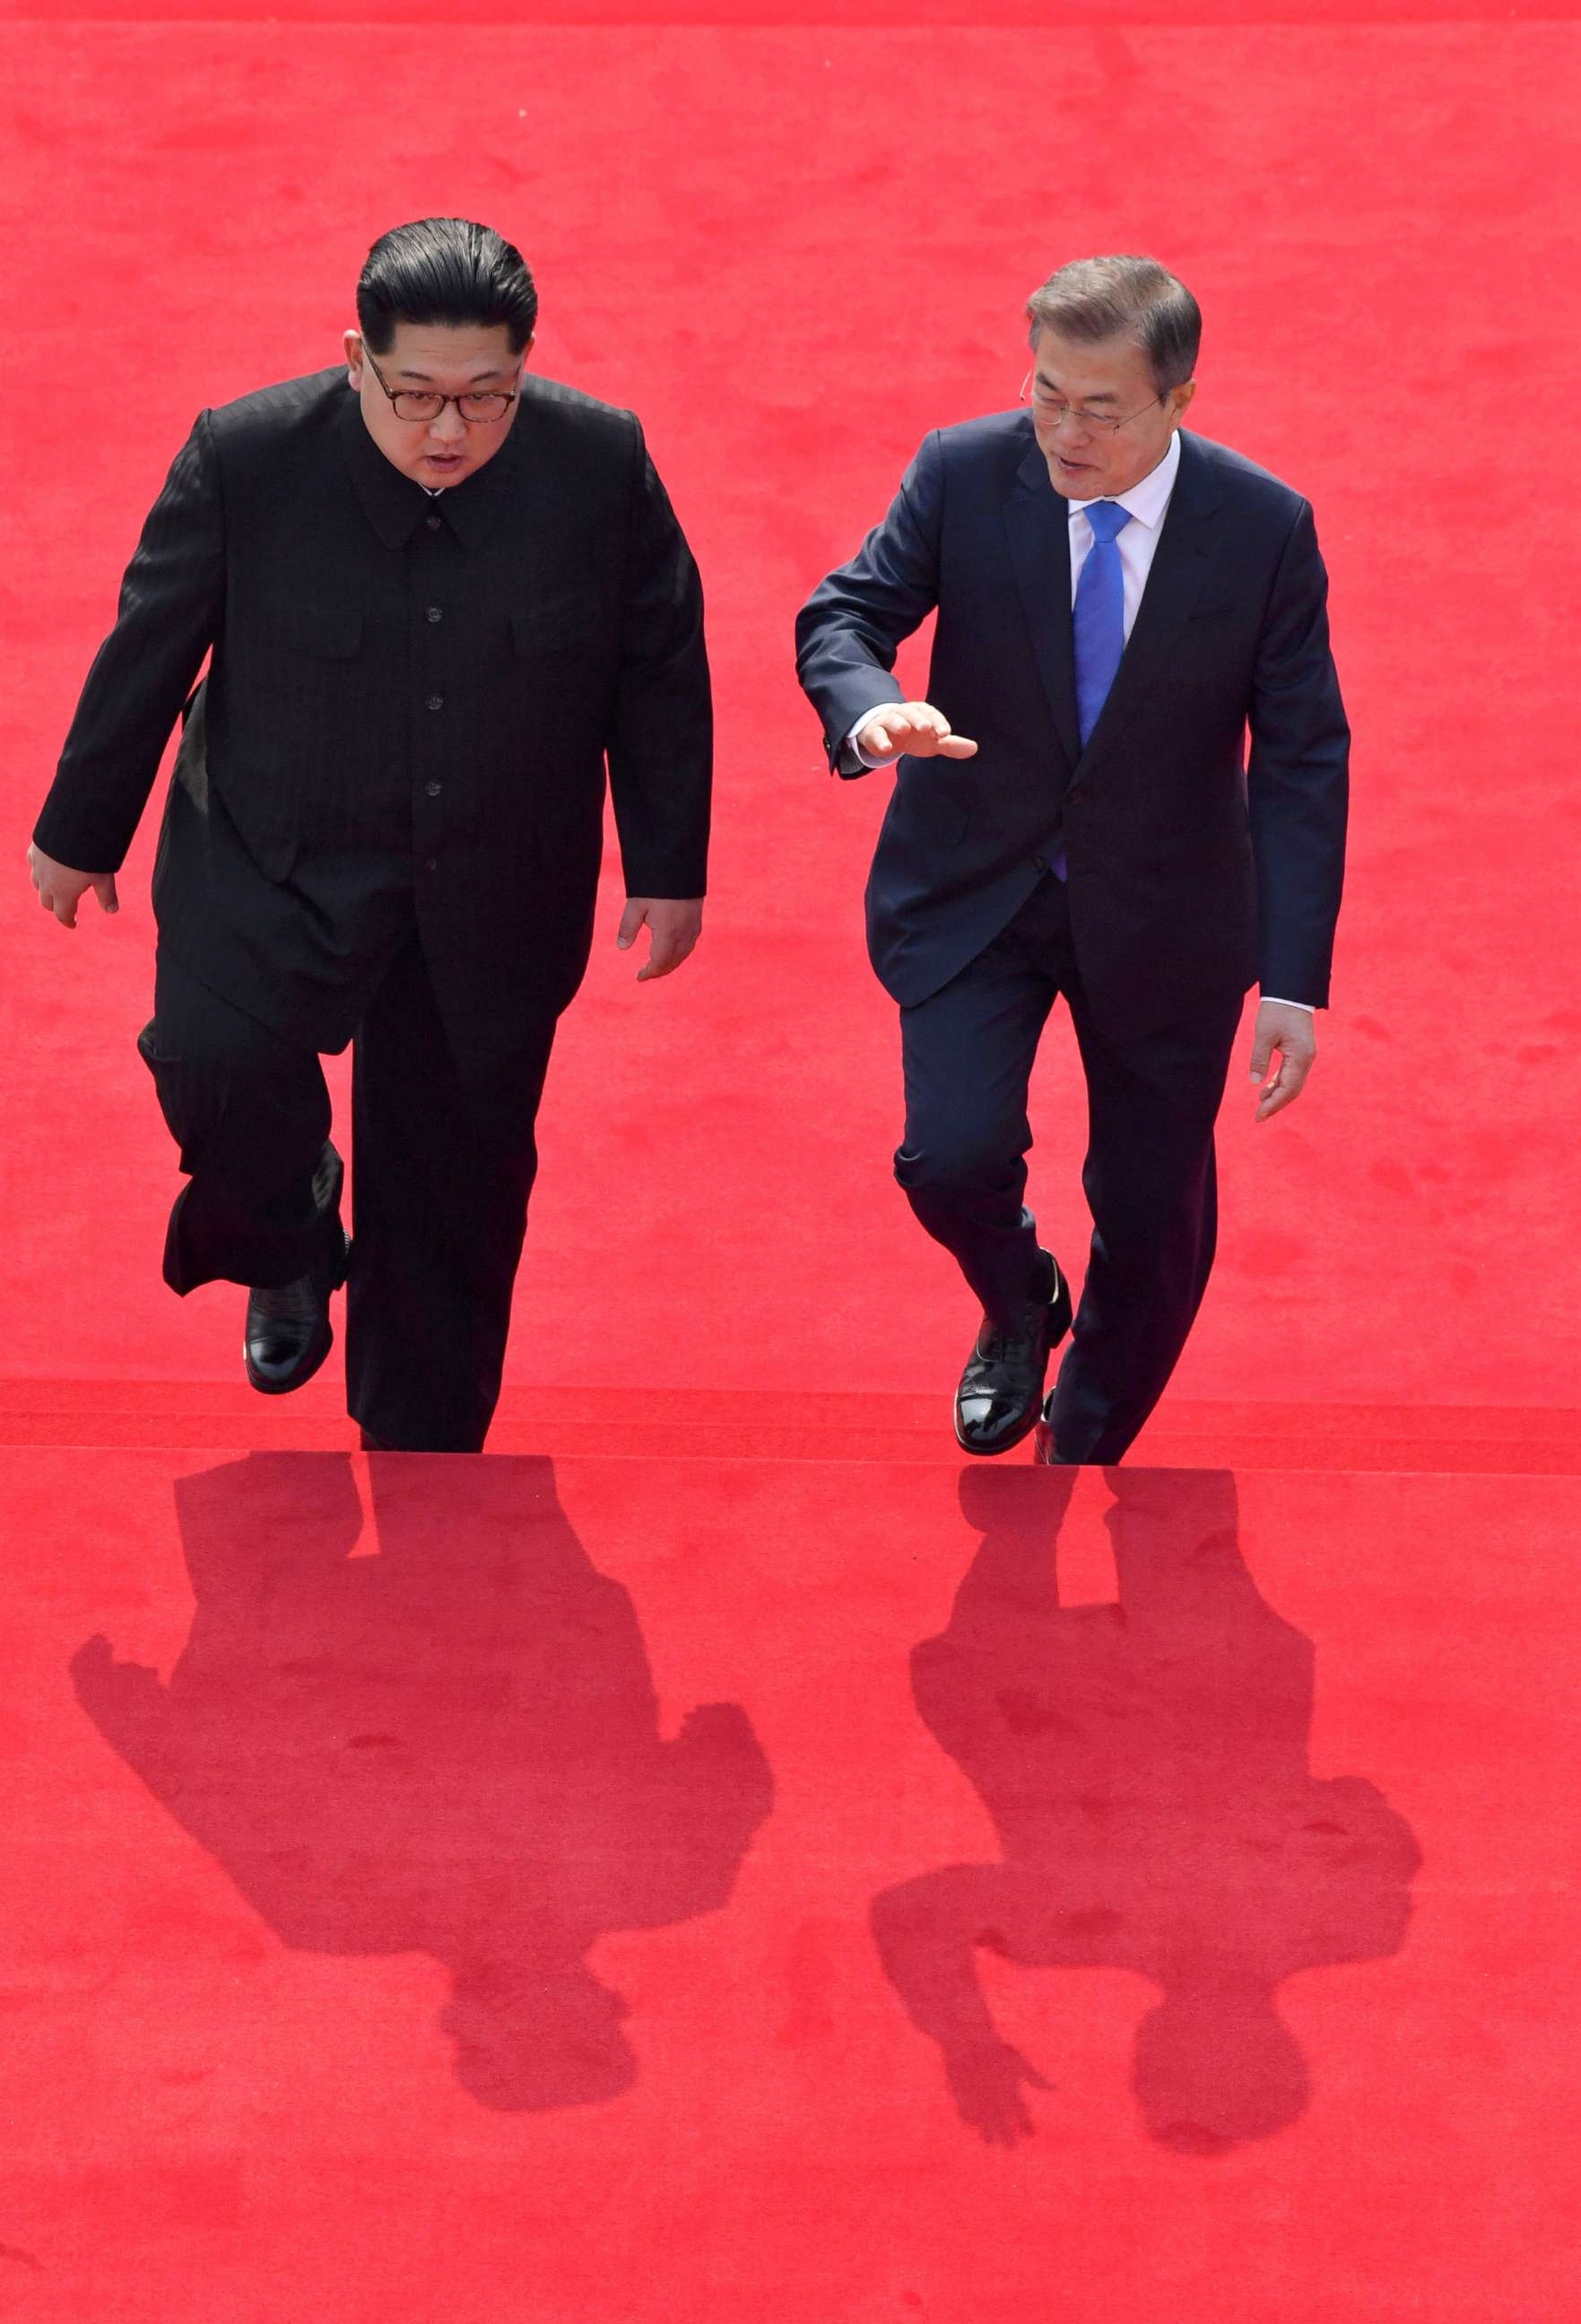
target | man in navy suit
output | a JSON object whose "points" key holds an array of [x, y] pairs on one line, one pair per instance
{"points": [[1075, 811]]}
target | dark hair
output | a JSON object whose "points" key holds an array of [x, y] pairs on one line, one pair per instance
{"points": [[444, 270], [1100, 298]]}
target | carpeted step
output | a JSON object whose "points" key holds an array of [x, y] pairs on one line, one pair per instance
{"points": [[619, 1423]]}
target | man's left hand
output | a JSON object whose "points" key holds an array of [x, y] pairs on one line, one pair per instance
{"points": [[673, 929], [1291, 1032]]}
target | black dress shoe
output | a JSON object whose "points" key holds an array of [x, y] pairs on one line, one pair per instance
{"points": [[288, 1332], [1001, 1388]]}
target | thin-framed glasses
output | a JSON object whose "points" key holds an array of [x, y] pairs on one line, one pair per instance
{"points": [[1054, 409], [422, 403]]}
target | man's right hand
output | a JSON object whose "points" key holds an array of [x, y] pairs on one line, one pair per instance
{"points": [[915, 727], [61, 889]]}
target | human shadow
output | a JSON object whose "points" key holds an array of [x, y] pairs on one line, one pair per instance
{"points": [[1145, 1765], [448, 1747]]}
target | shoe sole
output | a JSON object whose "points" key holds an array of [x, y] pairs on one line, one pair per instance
{"points": [[1063, 1316]]}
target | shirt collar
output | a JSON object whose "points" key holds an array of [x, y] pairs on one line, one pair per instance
{"points": [[394, 505], [1146, 501]]}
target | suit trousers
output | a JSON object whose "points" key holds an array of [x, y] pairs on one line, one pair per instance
{"points": [[443, 1176], [1149, 1175]]}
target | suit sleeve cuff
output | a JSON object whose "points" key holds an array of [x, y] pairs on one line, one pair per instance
{"points": [[851, 758]]}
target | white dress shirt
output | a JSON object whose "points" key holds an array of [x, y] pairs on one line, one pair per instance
{"points": [[1148, 505]]}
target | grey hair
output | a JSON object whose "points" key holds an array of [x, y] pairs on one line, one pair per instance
{"points": [[1094, 299]]}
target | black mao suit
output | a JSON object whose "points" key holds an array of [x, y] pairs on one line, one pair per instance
{"points": [[386, 822], [1192, 867]]}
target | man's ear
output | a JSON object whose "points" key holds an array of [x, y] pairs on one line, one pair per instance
{"points": [[526, 352], [353, 344], [1182, 397]]}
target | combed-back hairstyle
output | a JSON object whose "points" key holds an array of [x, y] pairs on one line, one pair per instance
{"points": [[445, 269], [1094, 299]]}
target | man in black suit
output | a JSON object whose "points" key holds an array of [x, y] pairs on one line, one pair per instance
{"points": [[438, 596], [1118, 601]]}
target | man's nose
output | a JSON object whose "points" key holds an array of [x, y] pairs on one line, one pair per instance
{"points": [[449, 428]]}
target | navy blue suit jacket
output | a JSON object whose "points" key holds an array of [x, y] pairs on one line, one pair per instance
{"points": [[1193, 869]]}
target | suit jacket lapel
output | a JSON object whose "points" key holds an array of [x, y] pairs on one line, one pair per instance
{"points": [[1039, 527], [1188, 546]]}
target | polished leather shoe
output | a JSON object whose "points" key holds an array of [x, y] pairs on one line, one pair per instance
{"points": [[1001, 1388], [288, 1332]]}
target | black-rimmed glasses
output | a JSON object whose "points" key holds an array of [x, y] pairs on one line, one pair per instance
{"points": [[422, 403]]}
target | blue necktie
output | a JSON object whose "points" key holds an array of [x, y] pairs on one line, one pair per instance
{"points": [[1099, 621]]}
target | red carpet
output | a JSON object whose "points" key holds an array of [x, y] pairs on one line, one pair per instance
{"points": [[397, 1949], [413, 1946]]}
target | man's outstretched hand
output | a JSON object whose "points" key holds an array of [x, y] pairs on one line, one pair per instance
{"points": [[986, 2080], [673, 929], [61, 889], [915, 728], [1290, 1032]]}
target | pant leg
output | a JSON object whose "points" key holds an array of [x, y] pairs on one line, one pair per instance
{"points": [[1150, 1184], [250, 1111], [440, 1191], [968, 1052]]}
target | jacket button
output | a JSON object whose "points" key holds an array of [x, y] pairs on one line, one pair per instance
{"points": [[431, 865], [436, 701], [1039, 863], [433, 789], [433, 522], [436, 613]]}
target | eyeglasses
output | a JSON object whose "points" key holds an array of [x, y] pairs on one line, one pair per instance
{"points": [[1053, 408], [426, 404]]}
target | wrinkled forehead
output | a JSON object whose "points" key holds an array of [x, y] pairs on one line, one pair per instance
{"points": [[448, 356], [1084, 370]]}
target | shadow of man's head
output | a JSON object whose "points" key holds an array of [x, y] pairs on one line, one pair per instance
{"points": [[1217, 2066], [527, 2039]]}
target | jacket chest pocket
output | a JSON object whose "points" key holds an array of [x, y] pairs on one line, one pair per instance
{"points": [[573, 622]]}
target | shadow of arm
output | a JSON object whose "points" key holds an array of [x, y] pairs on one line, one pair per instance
{"points": [[128, 1704], [927, 1930]]}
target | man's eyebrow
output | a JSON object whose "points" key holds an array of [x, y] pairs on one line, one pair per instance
{"points": [[492, 371], [1105, 395]]}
